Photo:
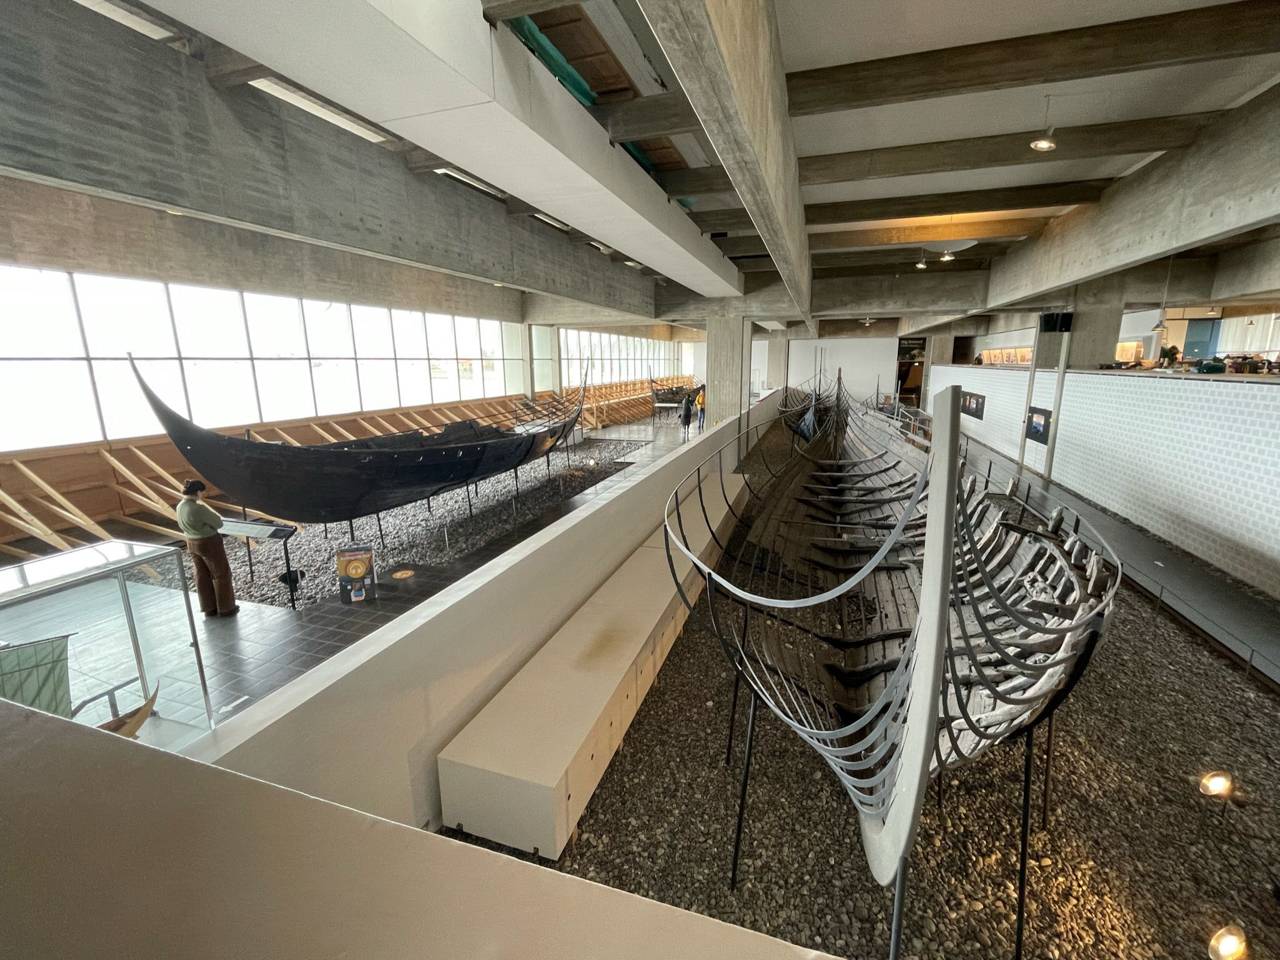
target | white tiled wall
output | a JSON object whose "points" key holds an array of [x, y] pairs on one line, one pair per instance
{"points": [[1196, 462]]}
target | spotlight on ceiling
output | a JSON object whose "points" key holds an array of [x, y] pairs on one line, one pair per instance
{"points": [[1044, 142], [947, 256], [1229, 943], [922, 264], [868, 322]]}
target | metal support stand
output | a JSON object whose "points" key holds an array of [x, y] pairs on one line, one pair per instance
{"points": [[326, 531], [446, 535], [351, 529], [742, 793], [899, 899], [428, 506], [1048, 775], [378, 519], [1028, 763], [733, 718], [548, 464], [288, 575], [469, 513]]}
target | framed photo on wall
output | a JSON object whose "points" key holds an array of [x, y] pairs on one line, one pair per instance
{"points": [[1038, 420], [973, 404]]}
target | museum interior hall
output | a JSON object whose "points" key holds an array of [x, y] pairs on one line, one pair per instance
{"points": [[640, 479]]}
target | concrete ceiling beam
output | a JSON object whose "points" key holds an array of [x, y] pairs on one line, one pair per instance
{"points": [[728, 58], [158, 134], [1128, 137], [1223, 184], [1246, 28], [923, 205], [1012, 229]]}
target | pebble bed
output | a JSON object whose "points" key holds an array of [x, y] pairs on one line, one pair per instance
{"points": [[416, 536], [1135, 863]]}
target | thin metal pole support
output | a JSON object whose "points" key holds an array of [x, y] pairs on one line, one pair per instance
{"points": [[733, 718], [742, 793], [899, 900], [1028, 763], [1048, 775]]}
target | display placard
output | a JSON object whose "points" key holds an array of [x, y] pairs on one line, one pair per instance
{"points": [[1038, 420], [356, 582], [973, 404]]}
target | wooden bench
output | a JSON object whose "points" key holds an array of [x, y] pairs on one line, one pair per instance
{"points": [[521, 772]]}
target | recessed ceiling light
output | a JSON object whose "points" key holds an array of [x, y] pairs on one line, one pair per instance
{"points": [[463, 177], [547, 218]]}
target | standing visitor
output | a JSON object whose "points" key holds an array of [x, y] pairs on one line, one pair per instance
{"points": [[200, 524], [686, 414], [701, 401]]}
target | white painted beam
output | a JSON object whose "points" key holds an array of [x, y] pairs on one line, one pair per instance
{"points": [[437, 74]]}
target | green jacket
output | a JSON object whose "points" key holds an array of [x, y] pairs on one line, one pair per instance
{"points": [[197, 520]]}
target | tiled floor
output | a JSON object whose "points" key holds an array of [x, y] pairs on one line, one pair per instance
{"points": [[1241, 620]]}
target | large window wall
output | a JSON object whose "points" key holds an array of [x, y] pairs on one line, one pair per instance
{"points": [[614, 358], [223, 357]]}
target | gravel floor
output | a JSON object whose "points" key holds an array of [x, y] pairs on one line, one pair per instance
{"points": [[415, 536], [1136, 864]]}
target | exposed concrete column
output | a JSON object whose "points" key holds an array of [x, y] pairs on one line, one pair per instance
{"points": [[776, 371], [1099, 310], [728, 367], [556, 378]]}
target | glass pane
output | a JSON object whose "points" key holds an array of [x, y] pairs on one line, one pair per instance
{"points": [[222, 392], [515, 375], [38, 314], [60, 390], [513, 341], [470, 380], [164, 638], [328, 329], [125, 316], [378, 384], [444, 381], [544, 375], [275, 326], [410, 333], [542, 342], [493, 379], [284, 389], [337, 390], [440, 336], [468, 334], [372, 326], [209, 322], [415, 382], [124, 408], [491, 339]]}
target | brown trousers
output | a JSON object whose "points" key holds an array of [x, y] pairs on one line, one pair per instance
{"points": [[213, 574]]}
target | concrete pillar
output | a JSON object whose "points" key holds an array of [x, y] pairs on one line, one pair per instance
{"points": [[938, 349], [728, 367], [776, 370], [1099, 310]]}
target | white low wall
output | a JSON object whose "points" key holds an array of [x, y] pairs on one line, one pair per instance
{"points": [[364, 727], [1196, 462], [113, 849]]}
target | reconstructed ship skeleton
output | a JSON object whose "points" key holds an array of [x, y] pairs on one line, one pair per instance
{"points": [[893, 611]]}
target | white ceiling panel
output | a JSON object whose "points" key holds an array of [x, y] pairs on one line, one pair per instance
{"points": [[821, 33], [1128, 96]]}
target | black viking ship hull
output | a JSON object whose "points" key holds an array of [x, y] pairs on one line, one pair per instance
{"points": [[333, 482]]}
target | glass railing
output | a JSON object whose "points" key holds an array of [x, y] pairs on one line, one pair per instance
{"points": [[104, 635]]}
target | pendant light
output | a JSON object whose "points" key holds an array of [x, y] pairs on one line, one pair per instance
{"points": [[1164, 298], [947, 256], [1044, 142], [921, 264]]}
